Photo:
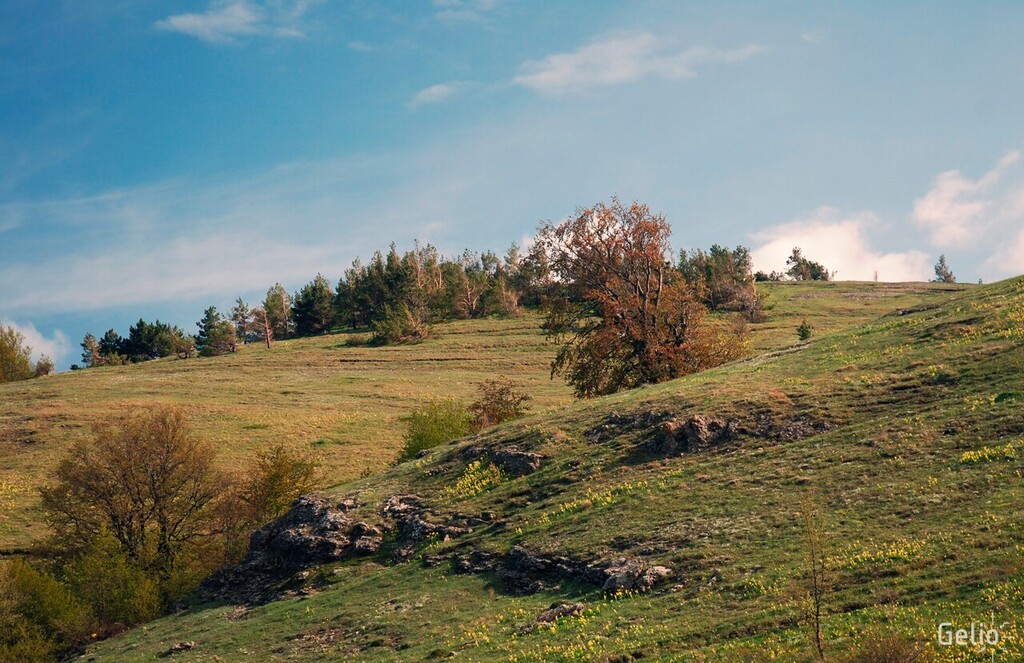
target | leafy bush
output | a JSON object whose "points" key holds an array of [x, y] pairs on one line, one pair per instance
{"points": [[277, 477], [434, 424], [500, 400], [115, 589], [39, 612], [804, 331]]}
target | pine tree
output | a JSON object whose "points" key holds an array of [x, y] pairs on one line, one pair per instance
{"points": [[91, 351], [942, 272], [241, 316], [216, 334], [313, 307]]}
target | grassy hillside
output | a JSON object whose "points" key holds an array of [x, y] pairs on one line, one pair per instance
{"points": [[343, 401], [905, 433]]}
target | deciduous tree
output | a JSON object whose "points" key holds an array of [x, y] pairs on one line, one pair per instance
{"points": [[15, 356], [144, 478], [278, 306], [624, 315]]}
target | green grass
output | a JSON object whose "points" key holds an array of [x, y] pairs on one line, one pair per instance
{"points": [[333, 395], [909, 461]]}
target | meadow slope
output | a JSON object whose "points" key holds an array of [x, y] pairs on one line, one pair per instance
{"points": [[904, 434], [336, 398]]}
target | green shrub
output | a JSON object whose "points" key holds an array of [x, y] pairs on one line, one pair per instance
{"points": [[804, 331], [434, 424], [43, 612], [276, 478], [115, 589]]}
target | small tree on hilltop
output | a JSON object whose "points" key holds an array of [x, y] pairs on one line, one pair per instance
{"points": [[802, 269], [624, 315], [943, 274], [91, 355]]}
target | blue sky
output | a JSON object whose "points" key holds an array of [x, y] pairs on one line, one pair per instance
{"points": [[154, 161]]}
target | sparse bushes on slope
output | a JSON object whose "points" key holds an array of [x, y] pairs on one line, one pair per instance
{"points": [[500, 400], [879, 647], [136, 514], [434, 424]]}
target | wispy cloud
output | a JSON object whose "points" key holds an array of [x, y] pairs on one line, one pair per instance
{"points": [[841, 243], [813, 36], [185, 268], [227, 21], [958, 210], [438, 93], [623, 60], [464, 11]]}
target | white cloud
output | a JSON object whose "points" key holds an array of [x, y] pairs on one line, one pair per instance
{"points": [[958, 211], [226, 21], [1008, 259], [55, 347], [812, 37], [622, 60], [840, 243], [437, 93], [359, 46]]}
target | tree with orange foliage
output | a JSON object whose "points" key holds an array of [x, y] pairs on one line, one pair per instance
{"points": [[624, 314]]}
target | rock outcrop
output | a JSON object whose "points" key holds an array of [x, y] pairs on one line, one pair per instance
{"points": [[633, 575], [313, 531], [692, 434], [523, 571], [513, 461]]}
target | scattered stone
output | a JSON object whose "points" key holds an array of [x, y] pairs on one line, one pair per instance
{"points": [[561, 610], [516, 463], [513, 461], [178, 648], [412, 518], [633, 575], [693, 435]]}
